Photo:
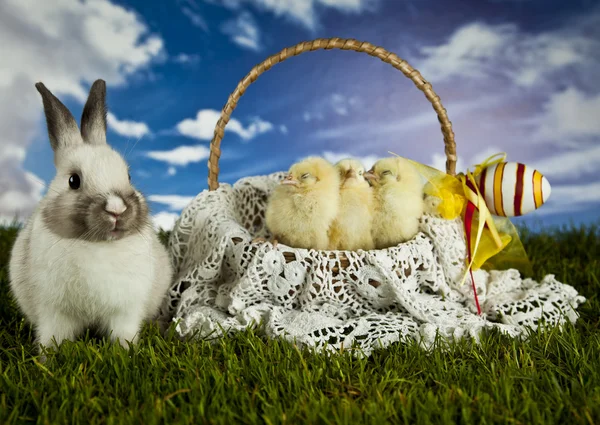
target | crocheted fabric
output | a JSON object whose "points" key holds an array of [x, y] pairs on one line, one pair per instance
{"points": [[224, 283]]}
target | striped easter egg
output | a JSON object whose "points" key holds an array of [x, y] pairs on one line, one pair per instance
{"points": [[512, 189]]}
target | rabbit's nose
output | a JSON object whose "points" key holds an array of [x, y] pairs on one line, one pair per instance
{"points": [[115, 206]]}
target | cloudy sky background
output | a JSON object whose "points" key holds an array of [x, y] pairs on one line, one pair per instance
{"points": [[517, 76]]}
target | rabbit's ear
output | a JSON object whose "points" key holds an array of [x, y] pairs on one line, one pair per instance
{"points": [[62, 127], [93, 119]]}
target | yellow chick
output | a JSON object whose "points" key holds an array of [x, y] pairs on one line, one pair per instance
{"points": [[302, 208], [398, 201], [351, 229]]}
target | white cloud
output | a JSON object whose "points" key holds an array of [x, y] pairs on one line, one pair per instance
{"points": [[303, 12], [480, 50], [569, 117], [367, 160], [243, 31], [182, 155], [174, 202], [195, 18], [341, 104], [164, 220], [171, 171], [466, 53], [45, 45], [66, 45], [127, 128], [257, 126], [336, 103], [551, 76], [186, 58], [283, 128], [16, 153], [203, 126], [308, 117], [570, 164], [19, 200]]}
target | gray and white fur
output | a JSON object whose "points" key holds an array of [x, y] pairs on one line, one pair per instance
{"points": [[88, 255]]}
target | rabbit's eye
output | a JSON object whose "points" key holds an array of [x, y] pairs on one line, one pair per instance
{"points": [[129, 175], [74, 181]]}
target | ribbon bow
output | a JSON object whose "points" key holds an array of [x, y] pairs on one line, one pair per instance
{"points": [[475, 201]]}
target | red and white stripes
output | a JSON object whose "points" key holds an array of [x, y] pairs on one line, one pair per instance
{"points": [[512, 189]]}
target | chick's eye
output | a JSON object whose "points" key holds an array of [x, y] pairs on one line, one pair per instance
{"points": [[74, 181], [386, 173], [305, 175], [360, 173]]}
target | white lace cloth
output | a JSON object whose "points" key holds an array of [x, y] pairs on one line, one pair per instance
{"points": [[224, 283]]}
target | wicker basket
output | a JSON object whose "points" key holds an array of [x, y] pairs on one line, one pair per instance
{"points": [[328, 44], [338, 300]]}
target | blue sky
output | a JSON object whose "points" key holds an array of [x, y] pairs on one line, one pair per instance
{"points": [[514, 75]]}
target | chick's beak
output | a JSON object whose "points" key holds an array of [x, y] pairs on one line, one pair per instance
{"points": [[289, 180], [370, 176]]}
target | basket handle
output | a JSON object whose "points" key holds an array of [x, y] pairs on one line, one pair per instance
{"points": [[328, 44]]}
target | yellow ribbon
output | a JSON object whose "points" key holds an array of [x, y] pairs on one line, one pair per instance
{"points": [[477, 199], [484, 217], [489, 161]]}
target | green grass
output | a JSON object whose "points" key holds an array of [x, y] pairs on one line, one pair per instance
{"points": [[552, 378]]}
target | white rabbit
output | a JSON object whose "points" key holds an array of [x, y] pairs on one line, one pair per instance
{"points": [[88, 255]]}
